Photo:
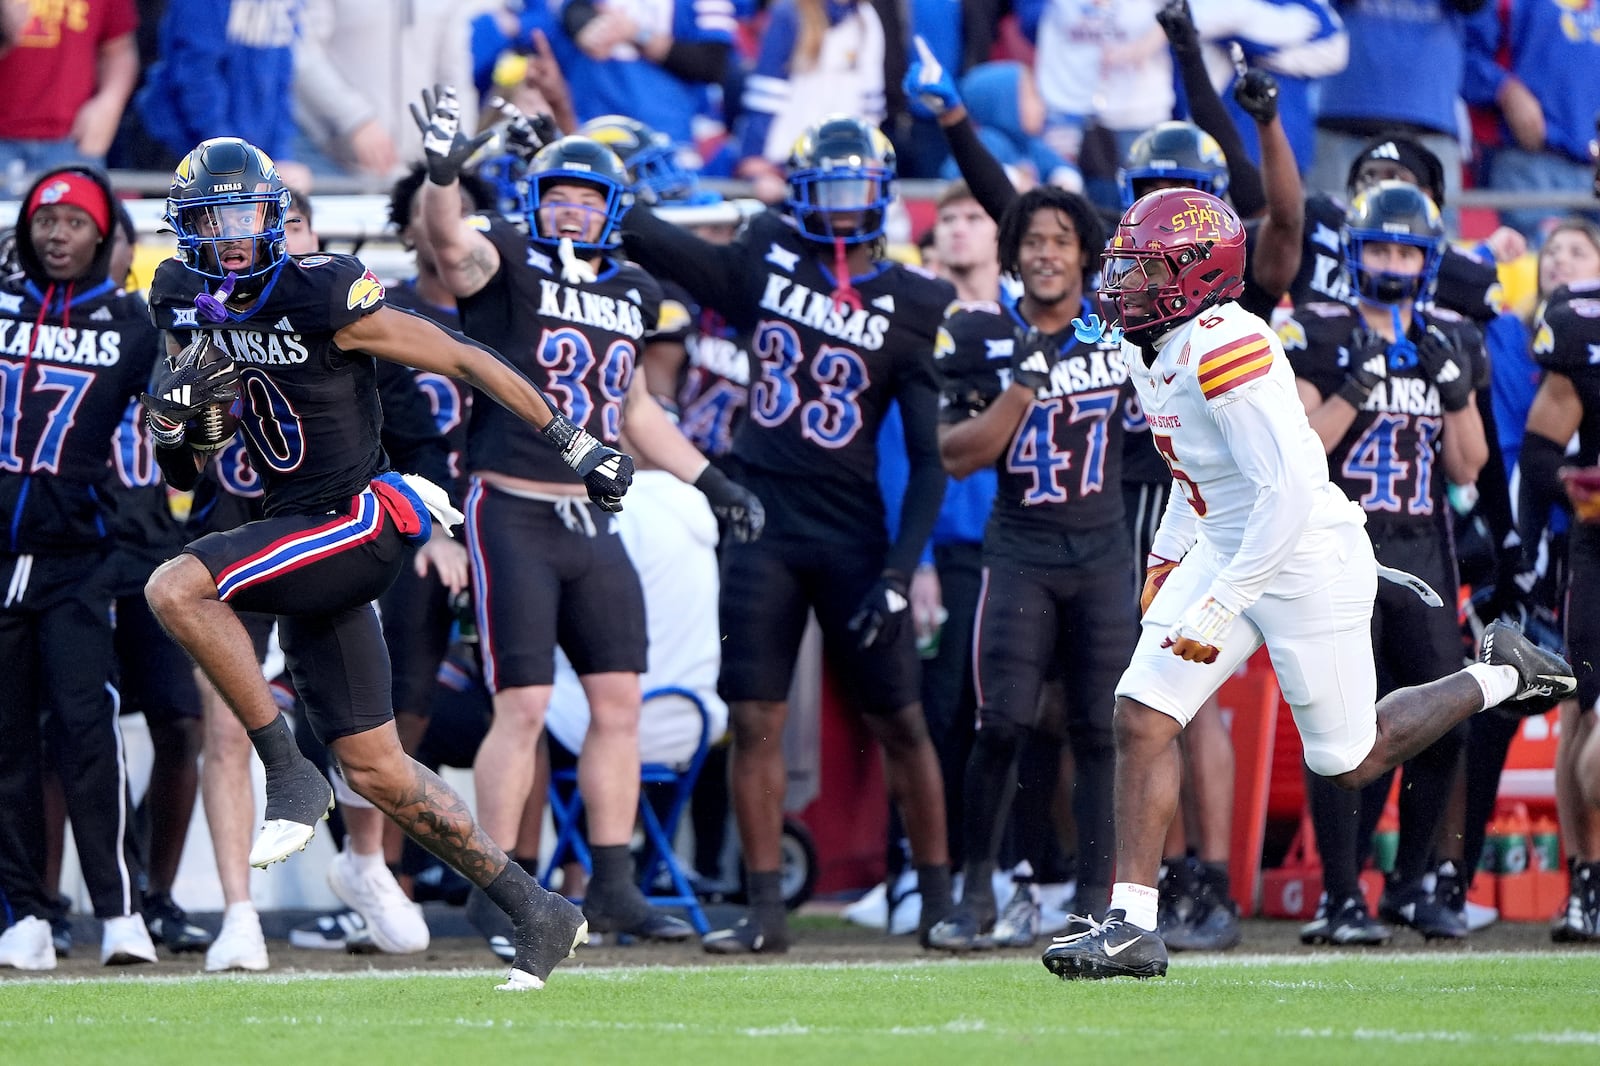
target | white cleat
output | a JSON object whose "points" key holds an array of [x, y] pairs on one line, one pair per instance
{"points": [[394, 922], [240, 945], [125, 941], [280, 838], [520, 981], [28, 945]]}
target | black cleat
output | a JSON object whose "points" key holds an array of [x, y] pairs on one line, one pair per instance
{"points": [[748, 936], [492, 922], [1414, 907], [546, 936], [1112, 948], [170, 925], [1579, 921], [1213, 924], [1545, 679], [1344, 924]]}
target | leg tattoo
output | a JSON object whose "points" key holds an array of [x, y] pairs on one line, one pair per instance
{"points": [[435, 816]]}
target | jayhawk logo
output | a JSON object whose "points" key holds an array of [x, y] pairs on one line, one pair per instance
{"points": [[1292, 334], [365, 292]]}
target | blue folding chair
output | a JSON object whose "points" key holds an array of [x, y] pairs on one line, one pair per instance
{"points": [[659, 832]]}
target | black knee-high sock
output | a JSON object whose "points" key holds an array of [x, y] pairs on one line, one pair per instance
{"points": [[1424, 794], [1335, 816]]}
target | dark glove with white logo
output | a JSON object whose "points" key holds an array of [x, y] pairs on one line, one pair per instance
{"points": [[738, 510], [1031, 358], [1256, 92], [1447, 366], [446, 148], [1369, 361], [1177, 22], [877, 621], [605, 471]]}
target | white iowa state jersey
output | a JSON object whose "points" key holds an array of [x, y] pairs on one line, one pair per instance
{"points": [[1225, 415]]}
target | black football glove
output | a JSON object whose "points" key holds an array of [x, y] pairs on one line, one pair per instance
{"points": [[877, 621], [1256, 92], [738, 510], [1516, 576], [1369, 363], [188, 381], [447, 149], [525, 134], [1447, 366], [1177, 22], [606, 472], [1032, 356]]}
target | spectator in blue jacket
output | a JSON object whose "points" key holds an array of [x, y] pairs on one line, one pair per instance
{"points": [[1406, 63], [650, 61], [226, 70], [1547, 96]]}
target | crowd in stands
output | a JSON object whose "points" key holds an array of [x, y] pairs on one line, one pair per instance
{"points": [[1302, 113]]}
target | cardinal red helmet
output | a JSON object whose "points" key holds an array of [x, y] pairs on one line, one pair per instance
{"points": [[1175, 253]]}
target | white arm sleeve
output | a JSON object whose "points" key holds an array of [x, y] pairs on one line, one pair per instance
{"points": [[1179, 527], [1257, 432]]}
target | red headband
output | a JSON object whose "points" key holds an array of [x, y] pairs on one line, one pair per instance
{"points": [[76, 190]]}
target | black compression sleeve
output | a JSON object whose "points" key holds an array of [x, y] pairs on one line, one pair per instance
{"points": [[1245, 189], [178, 466], [1539, 487], [919, 410], [982, 171]]}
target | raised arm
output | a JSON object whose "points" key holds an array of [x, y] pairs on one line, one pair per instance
{"points": [[467, 259]]}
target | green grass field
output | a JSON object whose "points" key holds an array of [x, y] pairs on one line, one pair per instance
{"points": [[1416, 1009]]}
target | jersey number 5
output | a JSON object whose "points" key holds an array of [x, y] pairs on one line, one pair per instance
{"points": [[1191, 491]]}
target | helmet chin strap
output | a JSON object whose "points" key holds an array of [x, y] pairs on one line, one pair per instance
{"points": [[211, 305], [844, 294]]}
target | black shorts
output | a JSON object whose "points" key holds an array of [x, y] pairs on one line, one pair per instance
{"points": [[319, 574], [1582, 612], [416, 625], [547, 573], [1035, 623], [766, 589], [1413, 643]]}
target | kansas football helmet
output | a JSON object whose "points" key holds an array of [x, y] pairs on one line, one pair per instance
{"points": [[227, 205], [1393, 212], [578, 161], [841, 181], [1173, 151], [649, 157], [1175, 253]]}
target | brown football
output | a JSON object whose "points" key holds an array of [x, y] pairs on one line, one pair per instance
{"points": [[213, 427]]}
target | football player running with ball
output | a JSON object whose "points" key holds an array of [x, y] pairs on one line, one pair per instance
{"points": [[1256, 546], [289, 344]]}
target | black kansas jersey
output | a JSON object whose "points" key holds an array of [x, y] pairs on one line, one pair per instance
{"points": [[1062, 469], [1566, 340], [310, 414], [716, 377], [578, 342], [70, 361], [1388, 460]]}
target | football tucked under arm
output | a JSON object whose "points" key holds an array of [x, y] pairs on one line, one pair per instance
{"points": [[193, 396]]}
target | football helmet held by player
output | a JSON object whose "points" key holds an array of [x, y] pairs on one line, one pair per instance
{"points": [[1175, 253]]}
